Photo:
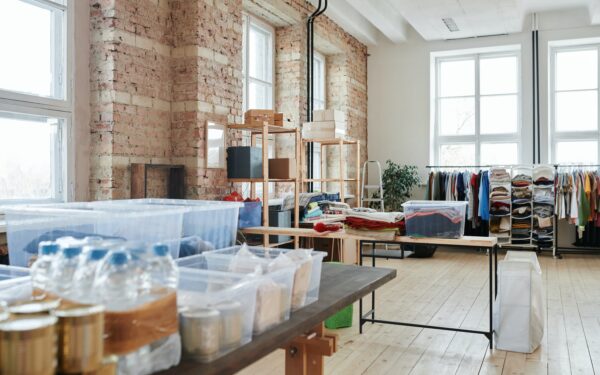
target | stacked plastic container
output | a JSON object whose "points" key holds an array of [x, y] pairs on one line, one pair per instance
{"points": [[27, 226], [216, 312], [307, 275], [275, 285], [207, 225], [15, 283], [438, 219]]}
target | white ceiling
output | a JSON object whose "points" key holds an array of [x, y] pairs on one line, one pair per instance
{"points": [[369, 20]]}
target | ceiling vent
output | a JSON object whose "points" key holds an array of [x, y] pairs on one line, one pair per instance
{"points": [[450, 24]]}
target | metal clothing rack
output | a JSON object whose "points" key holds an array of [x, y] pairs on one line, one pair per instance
{"points": [[573, 249]]}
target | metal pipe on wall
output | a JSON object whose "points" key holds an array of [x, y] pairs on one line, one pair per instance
{"points": [[310, 39]]}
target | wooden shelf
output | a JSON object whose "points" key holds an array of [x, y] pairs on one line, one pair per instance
{"points": [[329, 180], [261, 180], [281, 243], [331, 141], [257, 129]]}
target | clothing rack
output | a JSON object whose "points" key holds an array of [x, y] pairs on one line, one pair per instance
{"points": [[573, 249]]}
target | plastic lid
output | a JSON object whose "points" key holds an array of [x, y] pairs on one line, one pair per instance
{"points": [[97, 253], [71, 251], [160, 249], [118, 258], [48, 248]]}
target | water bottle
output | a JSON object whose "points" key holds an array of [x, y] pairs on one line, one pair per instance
{"points": [[140, 257], [115, 281], [86, 273], [40, 270], [163, 271], [63, 269]]}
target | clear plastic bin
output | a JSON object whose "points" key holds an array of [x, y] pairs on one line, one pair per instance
{"points": [[15, 284], [438, 219], [307, 278], [28, 225], [216, 312], [274, 293], [213, 224]]}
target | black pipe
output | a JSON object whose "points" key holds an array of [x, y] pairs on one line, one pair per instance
{"points": [[537, 90], [533, 112], [310, 39]]}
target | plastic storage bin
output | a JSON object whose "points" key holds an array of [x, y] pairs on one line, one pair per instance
{"points": [[213, 223], [216, 312], [307, 277], [274, 293], [440, 219], [28, 225], [250, 215], [15, 284]]}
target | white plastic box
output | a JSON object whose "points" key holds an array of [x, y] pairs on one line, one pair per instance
{"points": [[307, 277], [324, 130], [213, 224], [438, 219], [201, 290], [274, 293], [329, 115], [15, 284], [28, 225]]}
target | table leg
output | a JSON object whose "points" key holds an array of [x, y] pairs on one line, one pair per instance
{"points": [[373, 244], [304, 355], [491, 291], [496, 267], [360, 300]]}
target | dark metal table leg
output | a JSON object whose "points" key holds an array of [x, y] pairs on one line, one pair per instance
{"points": [[491, 281], [496, 267], [360, 301]]}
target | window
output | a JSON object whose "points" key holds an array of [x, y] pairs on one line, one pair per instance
{"points": [[318, 103], [573, 106], [258, 46], [476, 108], [35, 106]]}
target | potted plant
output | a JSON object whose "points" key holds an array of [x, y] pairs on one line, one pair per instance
{"points": [[398, 183]]}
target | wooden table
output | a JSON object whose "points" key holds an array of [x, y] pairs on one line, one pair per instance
{"points": [[302, 336]]}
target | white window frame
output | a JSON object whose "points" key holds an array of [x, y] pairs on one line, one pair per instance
{"points": [[320, 95], [438, 140], [33, 105], [562, 136], [248, 22]]}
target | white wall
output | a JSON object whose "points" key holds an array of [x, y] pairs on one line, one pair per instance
{"points": [[399, 87]]}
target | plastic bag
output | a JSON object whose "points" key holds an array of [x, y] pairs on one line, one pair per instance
{"points": [[245, 262], [160, 355], [303, 261], [519, 306]]}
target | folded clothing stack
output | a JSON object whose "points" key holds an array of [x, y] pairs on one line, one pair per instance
{"points": [[440, 220], [381, 225], [313, 212]]}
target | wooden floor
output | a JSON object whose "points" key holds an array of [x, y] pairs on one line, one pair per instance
{"points": [[451, 289]]}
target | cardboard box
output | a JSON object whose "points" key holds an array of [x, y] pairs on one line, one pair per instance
{"points": [[324, 130], [259, 112], [329, 115], [244, 162], [283, 168]]}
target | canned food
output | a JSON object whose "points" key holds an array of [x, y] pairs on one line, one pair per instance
{"points": [[80, 338], [231, 323], [200, 333], [28, 346]]}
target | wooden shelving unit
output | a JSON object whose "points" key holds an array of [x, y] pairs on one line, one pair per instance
{"points": [[342, 179], [264, 131]]}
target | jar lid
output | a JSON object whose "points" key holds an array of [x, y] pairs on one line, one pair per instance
{"points": [[34, 307], [78, 311], [27, 324], [227, 306], [201, 313]]}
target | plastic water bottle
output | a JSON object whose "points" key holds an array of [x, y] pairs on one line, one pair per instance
{"points": [[115, 281], [140, 257], [63, 269], [163, 271], [86, 273], [40, 270]]}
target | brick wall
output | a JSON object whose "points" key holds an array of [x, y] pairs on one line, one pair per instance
{"points": [[160, 69]]}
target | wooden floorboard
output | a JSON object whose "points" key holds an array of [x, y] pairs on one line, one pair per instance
{"points": [[452, 289]]}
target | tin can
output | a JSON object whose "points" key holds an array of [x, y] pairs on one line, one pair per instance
{"points": [[200, 333], [231, 323], [28, 346], [34, 307], [80, 338]]}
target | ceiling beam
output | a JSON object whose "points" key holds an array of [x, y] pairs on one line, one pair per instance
{"points": [[340, 12], [383, 17]]}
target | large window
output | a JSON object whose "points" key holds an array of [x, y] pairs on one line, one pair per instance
{"points": [[476, 108], [574, 104], [258, 46], [35, 106]]}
